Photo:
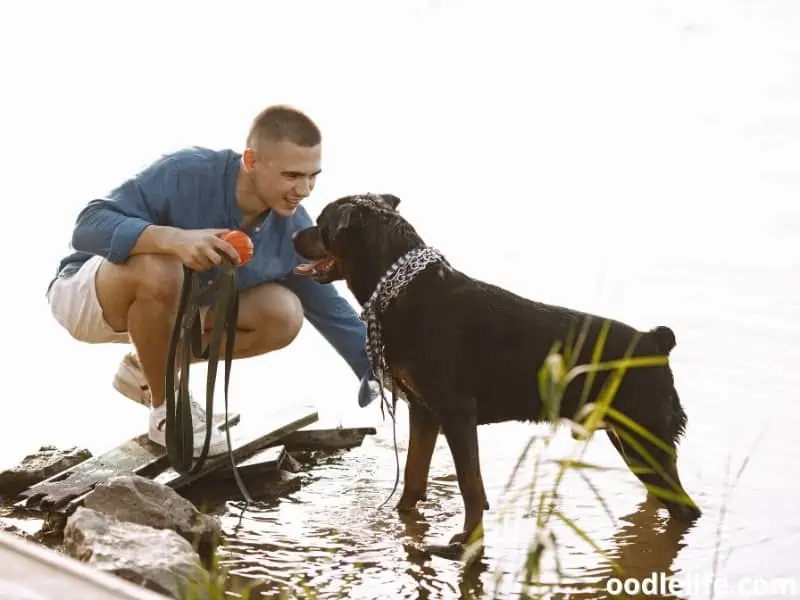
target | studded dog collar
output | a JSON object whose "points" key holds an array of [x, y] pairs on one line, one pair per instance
{"points": [[402, 272]]}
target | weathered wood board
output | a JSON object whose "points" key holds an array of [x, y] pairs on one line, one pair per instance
{"points": [[265, 461], [135, 456], [327, 439], [255, 433]]}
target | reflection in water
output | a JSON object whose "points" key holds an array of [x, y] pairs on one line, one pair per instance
{"points": [[346, 547], [647, 542], [416, 528]]}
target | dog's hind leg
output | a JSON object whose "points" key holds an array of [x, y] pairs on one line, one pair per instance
{"points": [[662, 482], [423, 430]]}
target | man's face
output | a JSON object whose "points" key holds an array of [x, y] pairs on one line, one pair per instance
{"points": [[284, 175]]}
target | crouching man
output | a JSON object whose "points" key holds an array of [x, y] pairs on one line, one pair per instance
{"points": [[123, 281]]}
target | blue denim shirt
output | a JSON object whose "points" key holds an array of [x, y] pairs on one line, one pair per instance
{"points": [[195, 188]]}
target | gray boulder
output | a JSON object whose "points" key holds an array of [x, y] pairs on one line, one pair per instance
{"points": [[140, 500], [40, 465], [158, 559]]}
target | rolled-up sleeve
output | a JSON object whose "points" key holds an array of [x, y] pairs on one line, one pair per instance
{"points": [[111, 226]]}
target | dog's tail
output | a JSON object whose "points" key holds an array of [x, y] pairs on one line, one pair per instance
{"points": [[665, 338]]}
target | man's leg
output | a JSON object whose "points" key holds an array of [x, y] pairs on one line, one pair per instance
{"points": [[270, 317], [141, 297], [137, 302]]}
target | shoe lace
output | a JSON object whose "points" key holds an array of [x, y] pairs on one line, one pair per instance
{"points": [[198, 415]]}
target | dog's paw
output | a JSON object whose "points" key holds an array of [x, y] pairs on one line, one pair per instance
{"points": [[408, 501], [407, 507], [459, 538], [452, 551]]}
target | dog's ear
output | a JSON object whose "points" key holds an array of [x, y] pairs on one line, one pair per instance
{"points": [[344, 219], [390, 200]]}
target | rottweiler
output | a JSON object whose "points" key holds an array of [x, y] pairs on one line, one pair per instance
{"points": [[465, 353]]}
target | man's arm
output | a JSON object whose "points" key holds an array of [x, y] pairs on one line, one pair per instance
{"points": [[122, 223], [334, 317], [329, 312]]}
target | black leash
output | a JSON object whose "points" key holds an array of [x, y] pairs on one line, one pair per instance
{"points": [[186, 342], [392, 409]]}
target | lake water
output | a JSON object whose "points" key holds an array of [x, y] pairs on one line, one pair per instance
{"points": [[636, 159]]}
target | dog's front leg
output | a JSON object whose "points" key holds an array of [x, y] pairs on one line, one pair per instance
{"points": [[423, 429], [461, 430]]}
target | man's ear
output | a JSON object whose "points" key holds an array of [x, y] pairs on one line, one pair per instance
{"points": [[390, 200], [249, 158]]}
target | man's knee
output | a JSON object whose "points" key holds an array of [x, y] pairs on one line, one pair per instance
{"points": [[142, 277], [157, 277], [290, 320], [274, 311], [147, 275]]}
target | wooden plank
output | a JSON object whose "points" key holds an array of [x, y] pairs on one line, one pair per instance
{"points": [[255, 433], [33, 572], [134, 456], [327, 439], [268, 460]]}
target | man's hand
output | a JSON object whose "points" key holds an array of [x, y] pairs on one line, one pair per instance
{"points": [[202, 249]]}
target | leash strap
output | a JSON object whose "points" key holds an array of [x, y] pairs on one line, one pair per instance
{"points": [[187, 341], [179, 444]]}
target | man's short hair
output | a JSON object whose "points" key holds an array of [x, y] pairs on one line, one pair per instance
{"points": [[281, 122]]}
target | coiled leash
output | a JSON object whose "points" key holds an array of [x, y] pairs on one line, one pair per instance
{"points": [[187, 341]]}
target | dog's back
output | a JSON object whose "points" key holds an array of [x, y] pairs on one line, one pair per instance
{"points": [[493, 342]]}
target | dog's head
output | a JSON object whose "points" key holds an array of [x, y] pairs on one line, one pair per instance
{"points": [[351, 233]]}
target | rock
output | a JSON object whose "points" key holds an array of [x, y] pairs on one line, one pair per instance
{"points": [[158, 559], [140, 500], [40, 465]]}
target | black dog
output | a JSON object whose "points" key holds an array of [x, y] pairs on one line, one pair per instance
{"points": [[467, 353]]}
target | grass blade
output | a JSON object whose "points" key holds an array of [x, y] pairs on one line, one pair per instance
{"points": [[638, 429], [585, 537]]}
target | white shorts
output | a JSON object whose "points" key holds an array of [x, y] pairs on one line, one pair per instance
{"points": [[74, 304]]}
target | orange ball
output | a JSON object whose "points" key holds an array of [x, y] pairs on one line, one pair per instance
{"points": [[242, 243]]}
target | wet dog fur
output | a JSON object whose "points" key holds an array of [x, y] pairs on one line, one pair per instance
{"points": [[467, 353]]}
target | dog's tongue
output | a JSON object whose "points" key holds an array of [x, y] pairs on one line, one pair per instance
{"points": [[304, 269], [312, 268]]}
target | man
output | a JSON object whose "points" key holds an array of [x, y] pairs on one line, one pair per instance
{"points": [[123, 281]]}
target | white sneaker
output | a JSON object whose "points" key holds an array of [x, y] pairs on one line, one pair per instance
{"points": [[218, 443], [130, 381]]}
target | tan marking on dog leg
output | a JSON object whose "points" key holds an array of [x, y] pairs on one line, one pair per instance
{"points": [[423, 430]]}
